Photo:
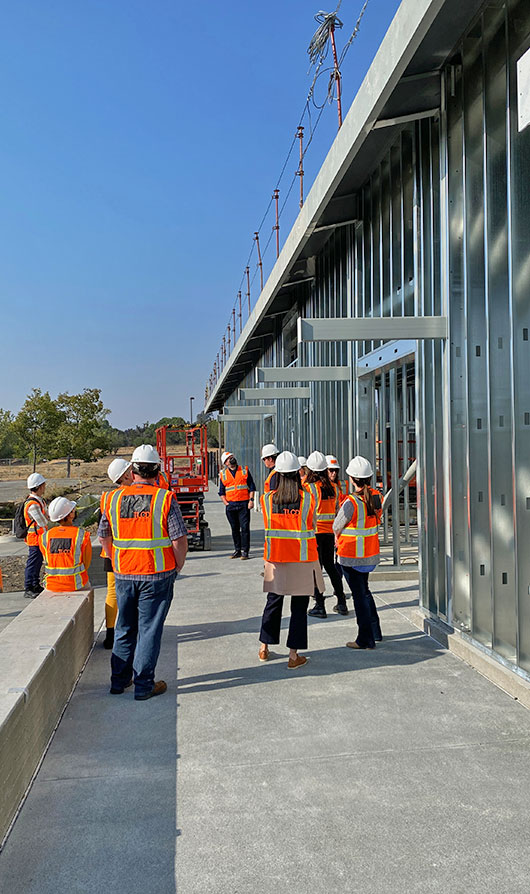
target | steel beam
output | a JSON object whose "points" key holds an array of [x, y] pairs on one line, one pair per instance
{"points": [[386, 355], [404, 119], [240, 412], [371, 328], [304, 374], [252, 418], [273, 393]]}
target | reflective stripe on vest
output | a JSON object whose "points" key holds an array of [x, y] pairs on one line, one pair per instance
{"points": [[156, 543], [77, 570], [303, 535]]}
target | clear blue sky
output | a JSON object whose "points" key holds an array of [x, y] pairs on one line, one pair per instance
{"points": [[141, 141]]}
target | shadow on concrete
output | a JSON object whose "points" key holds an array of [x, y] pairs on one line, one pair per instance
{"points": [[192, 632], [403, 650], [382, 608]]}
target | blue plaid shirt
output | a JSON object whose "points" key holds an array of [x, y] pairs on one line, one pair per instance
{"points": [[175, 529]]}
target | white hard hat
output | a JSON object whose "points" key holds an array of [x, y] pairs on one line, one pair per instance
{"points": [[35, 480], [269, 450], [287, 462], [332, 461], [302, 460], [316, 461], [118, 468], [224, 456], [60, 508], [146, 453], [359, 467]]}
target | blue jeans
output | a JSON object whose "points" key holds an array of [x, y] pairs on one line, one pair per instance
{"points": [[142, 609], [33, 567], [365, 610]]}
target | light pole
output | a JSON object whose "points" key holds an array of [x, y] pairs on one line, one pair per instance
{"points": [[191, 410]]}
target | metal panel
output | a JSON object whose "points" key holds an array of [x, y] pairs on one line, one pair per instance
{"points": [[245, 411]]}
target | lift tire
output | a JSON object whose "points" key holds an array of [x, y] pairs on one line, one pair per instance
{"points": [[206, 539]]}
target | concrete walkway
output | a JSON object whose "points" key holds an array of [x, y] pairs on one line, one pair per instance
{"points": [[398, 770]]}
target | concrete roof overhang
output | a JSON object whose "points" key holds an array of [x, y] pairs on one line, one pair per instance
{"points": [[403, 79]]}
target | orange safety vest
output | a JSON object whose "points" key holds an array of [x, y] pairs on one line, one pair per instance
{"points": [[359, 539], [138, 516], [326, 508], [290, 535], [267, 484], [103, 510], [32, 537], [236, 487], [62, 548], [162, 480]]}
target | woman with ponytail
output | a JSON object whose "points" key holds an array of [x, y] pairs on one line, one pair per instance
{"points": [[357, 540], [327, 499]]}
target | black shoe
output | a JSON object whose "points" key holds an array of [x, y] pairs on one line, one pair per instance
{"points": [[244, 555], [115, 690], [318, 611], [236, 555], [108, 642], [341, 608], [30, 594], [38, 589]]}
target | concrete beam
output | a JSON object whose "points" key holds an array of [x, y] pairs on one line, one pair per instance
{"points": [[371, 328], [274, 393], [304, 374], [42, 652]]}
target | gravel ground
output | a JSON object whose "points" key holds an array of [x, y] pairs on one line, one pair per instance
{"points": [[13, 573]]}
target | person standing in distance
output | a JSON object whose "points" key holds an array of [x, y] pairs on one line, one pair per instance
{"points": [[327, 500], [357, 540], [66, 549], [237, 489], [120, 473], [291, 559], [142, 528], [36, 520], [269, 454]]}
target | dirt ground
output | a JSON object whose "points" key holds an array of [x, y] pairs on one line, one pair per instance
{"points": [[56, 468], [13, 573]]}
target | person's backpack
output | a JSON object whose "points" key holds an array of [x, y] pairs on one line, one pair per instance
{"points": [[19, 525]]}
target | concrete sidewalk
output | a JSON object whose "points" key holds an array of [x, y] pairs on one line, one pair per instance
{"points": [[398, 770]]}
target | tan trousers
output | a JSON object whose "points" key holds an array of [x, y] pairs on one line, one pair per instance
{"points": [[111, 604]]}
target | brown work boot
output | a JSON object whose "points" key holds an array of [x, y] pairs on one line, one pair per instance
{"points": [[158, 689], [297, 662], [264, 653]]}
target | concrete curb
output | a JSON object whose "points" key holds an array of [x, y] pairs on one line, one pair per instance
{"points": [[42, 652], [459, 644]]}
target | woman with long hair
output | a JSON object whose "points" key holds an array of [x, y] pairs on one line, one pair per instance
{"points": [[327, 499], [291, 559], [357, 541]]}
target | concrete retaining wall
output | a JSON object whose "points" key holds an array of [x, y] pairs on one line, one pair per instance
{"points": [[41, 654]]}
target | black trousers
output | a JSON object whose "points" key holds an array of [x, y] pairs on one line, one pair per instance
{"points": [[326, 557], [365, 610], [272, 619], [239, 518]]}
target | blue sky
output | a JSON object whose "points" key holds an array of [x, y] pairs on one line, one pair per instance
{"points": [[141, 141]]}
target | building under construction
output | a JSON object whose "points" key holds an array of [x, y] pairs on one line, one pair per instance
{"points": [[395, 322]]}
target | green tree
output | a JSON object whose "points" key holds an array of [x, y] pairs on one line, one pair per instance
{"points": [[7, 434], [82, 433], [37, 424]]}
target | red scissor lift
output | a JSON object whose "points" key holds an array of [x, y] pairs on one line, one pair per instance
{"points": [[186, 467]]}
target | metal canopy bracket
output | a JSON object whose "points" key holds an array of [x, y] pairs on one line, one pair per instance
{"points": [[273, 393], [371, 328], [304, 374], [405, 119], [388, 354]]}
